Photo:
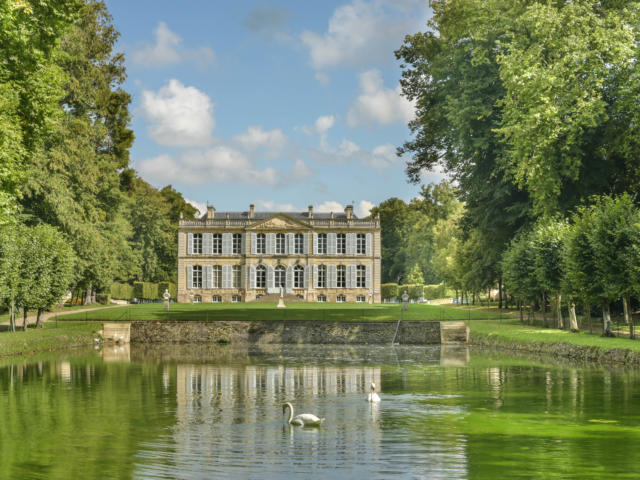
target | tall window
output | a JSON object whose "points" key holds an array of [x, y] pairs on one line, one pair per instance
{"points": [[261, 243], [217, 243], [235, 278], [217, 276], [237, 243], [298, 243], [298, 276], [322, 276], [322, 243], [197, 276], [280, 240], [280, 276], [361, 273], [342, 243], [197, 243], [361, 244], [342, 277], [261, 276]]}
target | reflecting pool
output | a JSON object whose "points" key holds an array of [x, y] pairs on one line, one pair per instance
{"points": [[191, 412]]}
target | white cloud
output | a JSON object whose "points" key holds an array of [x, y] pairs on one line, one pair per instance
{"points": [[324, 123], [329, 206], [168, 50], [301, 170], [202, 207], [256, 137], [377, 104], [220, 164], [362, 32], [271, 206], [381, 157], [364, 208], [179, 115]]}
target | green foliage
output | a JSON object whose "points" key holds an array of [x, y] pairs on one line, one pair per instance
{"points": [[415, 276], [173, 290], [432, 292], [103, 298], [548, 255], [389, 291], [415, 292], [518, 270], [122, 291]]}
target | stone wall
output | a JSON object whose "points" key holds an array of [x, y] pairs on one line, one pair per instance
{"points": [[294, 332]]}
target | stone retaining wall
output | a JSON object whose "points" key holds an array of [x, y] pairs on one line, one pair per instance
{"points": [[294, 332]]}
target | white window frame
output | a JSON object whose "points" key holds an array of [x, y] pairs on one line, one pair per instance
{"points": [[197, 244], [261, 243], [361, 244], [197, 276], [236, 248], [341, 243], [361, 276], [197, 299], [341, 282], [236, 276], [216, 276], [216, 244], [281, 244], [298, 276], [322, 276], [298, 244], [361, 299], [216, 299], [261, 276], [236, 299], [281, 272], [341, 299], [322, 244], [322, 298]]}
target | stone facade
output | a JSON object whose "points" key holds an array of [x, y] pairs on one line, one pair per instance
{"points": [[243, 256]]}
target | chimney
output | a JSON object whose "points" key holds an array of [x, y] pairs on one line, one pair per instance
{"points": [[210, 212], [349, 211], [310, 211], [251, 210]]}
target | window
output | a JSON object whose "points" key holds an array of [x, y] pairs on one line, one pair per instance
{"points": [[197, 277], [280, 276], [361, 273], [298, 276], [217, 277], [261, 276], [235, 278], [197, 243], [236, 299], [216, 299], [341, 299], [342, 243], [261, 245], [298, 243], [322, 276], [217, 244], [322, 298], [360, 299], [197, 299], [237, 243], [361, 244], [280, 241], [322, 243], [342, 277]]}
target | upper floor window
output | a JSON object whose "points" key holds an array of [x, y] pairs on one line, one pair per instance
{"points": [[342, 277], [361, 276], [217, 277], [322, 243], [217, 244], [235, 279], [361, 244], [298, 244], [197, 276], [237, 244], [261, 276], [298, 276], [342, 243], [261, 244], [280, 242], [197, 243], [322, 276], [280, 276]]}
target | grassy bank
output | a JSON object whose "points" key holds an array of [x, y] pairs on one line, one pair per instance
{"points": [[330, 312], [65, 335]]}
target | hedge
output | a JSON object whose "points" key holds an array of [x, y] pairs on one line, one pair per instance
{"points": [[103, 298], [432, 292], [142, 290], [121, 291], [389, 291], [162, 286]]}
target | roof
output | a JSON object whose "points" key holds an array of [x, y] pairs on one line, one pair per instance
{"points": [[265, 215]]}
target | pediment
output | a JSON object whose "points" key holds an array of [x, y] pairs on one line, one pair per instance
{"points": [[279, 222]]}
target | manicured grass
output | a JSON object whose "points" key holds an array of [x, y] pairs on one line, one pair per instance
{"points": [[514, 332], [66, 334], [5, 317], [344, 312]]}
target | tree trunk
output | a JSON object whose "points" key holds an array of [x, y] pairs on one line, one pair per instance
{"points": [[628, 319], [12, 320], [559, 319], [39, 319], [521, 315], [87, 298], [544, 311], [500, 293], [24, 319], [573, 320], [587, 313], [606, 321]]}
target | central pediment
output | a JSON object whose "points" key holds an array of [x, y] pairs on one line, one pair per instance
{"points": [[279, 222]]}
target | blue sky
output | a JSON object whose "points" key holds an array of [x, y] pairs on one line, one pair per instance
{"points": [[282, 104]]}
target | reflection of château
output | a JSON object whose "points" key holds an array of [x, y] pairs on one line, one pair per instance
{"points": [[240, 256]]}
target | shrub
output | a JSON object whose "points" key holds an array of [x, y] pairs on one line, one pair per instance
{"points": [[389, 291], [415, 291], [432, 292], [103, 298], [121, 291]]}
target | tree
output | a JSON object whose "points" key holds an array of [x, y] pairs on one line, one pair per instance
{"points": [[10, 263], [518, 271], [393, 214], [414, 277]]}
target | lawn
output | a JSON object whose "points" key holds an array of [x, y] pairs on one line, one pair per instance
{"points": [[50, 337], [5, 317], [330, 312]]}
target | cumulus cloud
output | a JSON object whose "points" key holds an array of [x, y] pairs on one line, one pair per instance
{"points": [[329, 206], [381, 157], [178, 115], [168, 50], [364, 208], [301, 170], [271, 206], [256, 137], [377, 104], [364, 32], [202, 207], [220, 164]]}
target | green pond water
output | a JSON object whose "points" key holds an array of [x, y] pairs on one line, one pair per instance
{"points": [[196, 412]]}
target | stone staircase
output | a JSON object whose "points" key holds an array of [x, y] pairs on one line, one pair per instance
{"points": [[454, 333], [275, 297]]}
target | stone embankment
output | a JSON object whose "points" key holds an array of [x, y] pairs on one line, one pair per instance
{"points": [[294, 332]]}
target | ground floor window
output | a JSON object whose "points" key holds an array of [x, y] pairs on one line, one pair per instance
{"points": [[261, 276], [280, 276], [322, 298], [197, 299], [235, 281], [216, 299], [197, 276], [322, 276], [342, 277], [341, 299], [236, 299], [298, 277], [361, 275], [360, 299]]}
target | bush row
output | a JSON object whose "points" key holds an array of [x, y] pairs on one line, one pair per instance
{"points": [[142, 290], [429, 292]]}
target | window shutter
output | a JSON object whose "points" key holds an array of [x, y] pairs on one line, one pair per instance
{"points": [[290, 243], [207, 280], [252, 276], [254, 243], [242, 244], [332, 273], [367, 276], [271, 243], [289, 278], [270, 276], [332, 243], [305, 277], [190, 276], [305, 246], [351, 243], [226, 244], [351, 276], [243, 273], [189, 244], [315, 243], [315, 276], [207, 243], [369, 244], [225, 274]]}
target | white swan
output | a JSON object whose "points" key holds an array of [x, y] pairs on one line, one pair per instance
{"points": [[304, 419], [373, 396]]}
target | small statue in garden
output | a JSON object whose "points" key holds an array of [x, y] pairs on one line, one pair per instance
{"points": [[167, 296], [405, 300]]}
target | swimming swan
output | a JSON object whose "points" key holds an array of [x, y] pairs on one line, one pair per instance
{"points": [[373, 396], [304, 419]]}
